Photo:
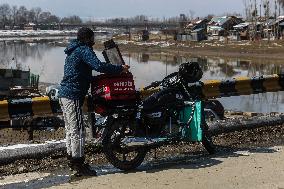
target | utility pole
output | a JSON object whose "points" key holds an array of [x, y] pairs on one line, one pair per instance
{"points": [[253, 13], [275, 9], [266, 8], [255, 20], [246, 9], [260, 9], [250, 18], [279, 10], [276, 24], [279, 14], [182, 22]]}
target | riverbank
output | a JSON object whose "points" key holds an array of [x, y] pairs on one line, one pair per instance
{"points": [[263, 49], [234, 49]]}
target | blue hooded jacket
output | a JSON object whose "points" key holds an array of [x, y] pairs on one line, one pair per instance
{"points": [[79, 63]]}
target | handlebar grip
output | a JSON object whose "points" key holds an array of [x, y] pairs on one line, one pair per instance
{"points": [[157, 83], [153, 84], [148, 87]]}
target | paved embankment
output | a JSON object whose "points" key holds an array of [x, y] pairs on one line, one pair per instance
{"points": [[16, 152], [20, 151], [259, 168]]}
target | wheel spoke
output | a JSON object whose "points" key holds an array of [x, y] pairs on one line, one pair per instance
{"points": [[122, 157]]}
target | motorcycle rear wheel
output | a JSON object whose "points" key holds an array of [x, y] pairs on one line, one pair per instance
{"points": [[120, 157], [208, 144], [207, 141]]}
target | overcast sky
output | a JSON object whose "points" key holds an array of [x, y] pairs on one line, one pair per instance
{"points": [[127, 8]]}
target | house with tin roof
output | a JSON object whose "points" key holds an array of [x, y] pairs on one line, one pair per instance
{"points": [[220, 26]]}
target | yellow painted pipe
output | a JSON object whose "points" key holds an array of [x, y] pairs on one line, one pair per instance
{"points": [[42, 106], [4, 113], [242, 86], [210, 88]]}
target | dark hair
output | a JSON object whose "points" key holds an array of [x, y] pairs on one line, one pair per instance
{"points": [[85, 34]]}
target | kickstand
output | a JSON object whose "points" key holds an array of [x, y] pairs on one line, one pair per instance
{"points": [[155, 153]]}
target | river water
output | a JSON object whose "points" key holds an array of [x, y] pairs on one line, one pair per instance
{"points": [[47, 60]]}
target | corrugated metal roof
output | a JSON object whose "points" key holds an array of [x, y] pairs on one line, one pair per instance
{"points": [[219, 20], [241, 25]]}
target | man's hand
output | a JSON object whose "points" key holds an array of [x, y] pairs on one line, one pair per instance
{"points": [[125, 68]]}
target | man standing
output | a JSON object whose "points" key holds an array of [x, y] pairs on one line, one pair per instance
{"points": [[79, 63]]}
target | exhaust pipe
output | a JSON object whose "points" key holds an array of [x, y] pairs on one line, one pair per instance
{"points": [[141, 141]]}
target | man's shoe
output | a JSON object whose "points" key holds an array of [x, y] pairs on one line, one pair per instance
{"points": [[82, 169], [70, 162]]}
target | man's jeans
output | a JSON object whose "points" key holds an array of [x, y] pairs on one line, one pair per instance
{"points": [[74, 127]]}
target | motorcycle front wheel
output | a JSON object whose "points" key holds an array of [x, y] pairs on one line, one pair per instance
{"points": [[120, 157]]}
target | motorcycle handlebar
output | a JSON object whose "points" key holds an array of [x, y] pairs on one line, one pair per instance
{"points": [[164, 81], [153, 84]]}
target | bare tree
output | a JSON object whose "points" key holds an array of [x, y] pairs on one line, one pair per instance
{"points": [[209, 16], [14, 12], [140, 18], [191, 13], [15, 16], [281, 2], [31, 16], [37, 12], [53, 19], [44, 17], [72, 20], [248, 9], [5, 11], [22, 15]]}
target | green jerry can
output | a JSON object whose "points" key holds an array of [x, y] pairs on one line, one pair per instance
{"points": [[193, 131]]}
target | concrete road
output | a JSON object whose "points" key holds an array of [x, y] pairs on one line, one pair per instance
{"points": [[259, 168]]}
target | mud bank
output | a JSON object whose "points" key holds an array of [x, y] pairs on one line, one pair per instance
{"points": [[243, 49]]}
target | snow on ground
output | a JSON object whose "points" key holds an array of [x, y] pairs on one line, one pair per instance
{"points": [[155, 43], [19, 146], [26, 33]]}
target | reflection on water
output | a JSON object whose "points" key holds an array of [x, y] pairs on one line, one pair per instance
{"points": [[47, 60], [42, 59]]}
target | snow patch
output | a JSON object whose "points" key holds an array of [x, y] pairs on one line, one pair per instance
{"points": [[19, 146]]}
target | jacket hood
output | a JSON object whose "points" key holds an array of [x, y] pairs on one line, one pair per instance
{"points": [[72, 46]]}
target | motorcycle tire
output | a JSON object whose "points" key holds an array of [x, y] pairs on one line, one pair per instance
{"points": [[113, 150], [208, 144], [207, 140], [216, 106]]}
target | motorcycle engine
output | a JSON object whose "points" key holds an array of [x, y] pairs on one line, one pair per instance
{"points": [[160, 111]]}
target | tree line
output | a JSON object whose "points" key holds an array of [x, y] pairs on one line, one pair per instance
{"points": [[142, 19], [263, 8], [17, 17], [14, 17]]}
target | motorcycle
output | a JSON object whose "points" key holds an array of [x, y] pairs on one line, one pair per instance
{"points": [[132, 125]]}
